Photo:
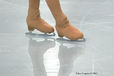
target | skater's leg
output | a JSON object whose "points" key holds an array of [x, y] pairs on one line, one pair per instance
{"points": [[34, 21], [63, 27], [33, 5], [54, 6]]}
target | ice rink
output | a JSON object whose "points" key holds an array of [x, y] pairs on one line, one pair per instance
{"points": [[38, 54]]}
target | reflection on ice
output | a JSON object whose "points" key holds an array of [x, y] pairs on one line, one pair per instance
{"points": [[51, 61], [51, 57], [36, 50], [68, 53]]}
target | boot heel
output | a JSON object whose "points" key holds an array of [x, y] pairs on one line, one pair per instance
{"points": [[60, 35], [30, 28]]}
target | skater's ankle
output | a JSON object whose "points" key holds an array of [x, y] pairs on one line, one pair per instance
{"points": [[33, 13], [62, 21]]}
